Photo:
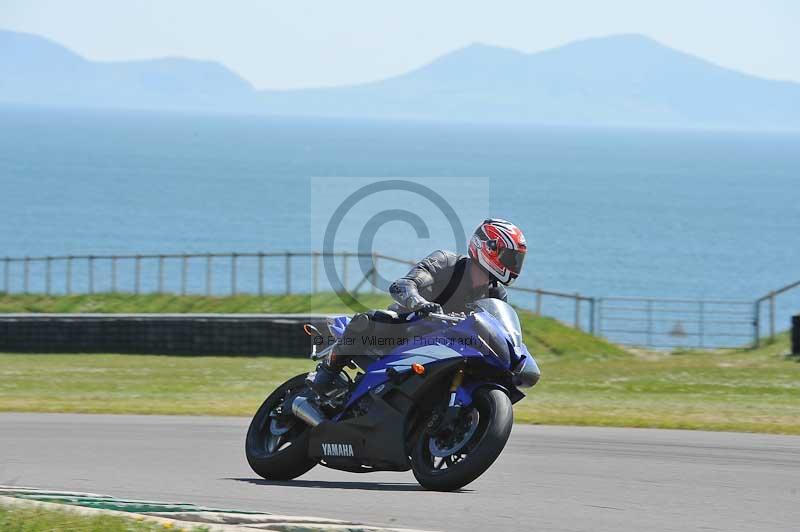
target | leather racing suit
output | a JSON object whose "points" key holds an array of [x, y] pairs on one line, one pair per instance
{"points": [[441, 278]]}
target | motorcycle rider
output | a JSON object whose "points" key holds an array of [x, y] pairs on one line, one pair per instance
{"points": [[442, 282]]}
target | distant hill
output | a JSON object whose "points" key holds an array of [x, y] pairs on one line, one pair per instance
{"points": [[34, 70], [618, 80]]}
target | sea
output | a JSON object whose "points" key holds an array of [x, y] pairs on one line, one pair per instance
{"points": [[606, 212]]}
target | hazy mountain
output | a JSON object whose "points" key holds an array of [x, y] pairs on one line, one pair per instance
{"points": [[34, 70], [626, 79]]}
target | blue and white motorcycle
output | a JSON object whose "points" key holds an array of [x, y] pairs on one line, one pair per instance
{"points": [[439, 404]]}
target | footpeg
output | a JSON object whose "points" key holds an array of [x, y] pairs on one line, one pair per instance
{"points": [[330, 390]]}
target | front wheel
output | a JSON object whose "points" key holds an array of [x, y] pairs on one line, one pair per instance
{"points": [[456, 455], [277, 442]]}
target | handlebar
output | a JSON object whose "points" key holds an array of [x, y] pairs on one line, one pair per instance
{"points": [[446, 317]]}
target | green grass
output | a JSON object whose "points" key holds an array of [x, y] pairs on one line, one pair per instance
{"points": [[141, 384], [586, 380], [170, 303], [30, 519], [750, 391], [756, 391]]}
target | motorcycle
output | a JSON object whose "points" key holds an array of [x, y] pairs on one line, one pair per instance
{"points": [[440, 405]]}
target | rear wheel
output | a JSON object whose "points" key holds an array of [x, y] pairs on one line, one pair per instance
{"points": [[455, 455], [277, 442]]}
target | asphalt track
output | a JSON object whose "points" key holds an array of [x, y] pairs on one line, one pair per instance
{"points": [[548, 478]]}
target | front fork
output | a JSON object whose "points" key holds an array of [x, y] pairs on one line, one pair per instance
{"points": [[458, 378], [437, 422]]}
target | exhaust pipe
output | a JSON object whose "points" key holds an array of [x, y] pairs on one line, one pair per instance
{"points": [[307, 411]]}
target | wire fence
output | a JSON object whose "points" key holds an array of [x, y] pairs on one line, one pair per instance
{"points": [[183, 273], [790, 292], [676, 323], [257, 273], [648, 322]]}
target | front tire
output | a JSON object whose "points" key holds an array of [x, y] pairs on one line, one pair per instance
{"points": [[277, 442], [471, 458]]}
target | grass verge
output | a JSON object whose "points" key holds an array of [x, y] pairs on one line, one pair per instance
{"points": [[748, 391], [753, 391], [27, 519]]}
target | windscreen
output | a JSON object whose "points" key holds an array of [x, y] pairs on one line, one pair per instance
{"points": [[505, 314]]}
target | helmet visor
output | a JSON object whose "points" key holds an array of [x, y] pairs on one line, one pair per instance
{"points": [[512, 259]]}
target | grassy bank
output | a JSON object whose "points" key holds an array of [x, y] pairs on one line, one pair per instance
{"points": [[750, 391], [170, 303], [27, 519], [757, 391], [545, 335]]}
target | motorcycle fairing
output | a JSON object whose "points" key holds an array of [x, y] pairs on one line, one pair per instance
{"points": [[378, 438], [447, 345], [403, 357]]}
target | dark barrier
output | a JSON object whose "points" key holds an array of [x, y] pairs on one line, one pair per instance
{"points": [[796, 335], [167, 334]]}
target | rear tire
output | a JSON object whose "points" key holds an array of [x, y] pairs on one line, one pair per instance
{"points": [[290, 458], [496, 417]]}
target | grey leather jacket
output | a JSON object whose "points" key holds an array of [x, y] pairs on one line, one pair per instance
{"points": [[442, 277]]}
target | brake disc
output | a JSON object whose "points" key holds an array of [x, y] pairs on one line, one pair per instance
{"points": [[450, 448]]}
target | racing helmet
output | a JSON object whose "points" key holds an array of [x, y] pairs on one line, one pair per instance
{"points": [[499, 247]]}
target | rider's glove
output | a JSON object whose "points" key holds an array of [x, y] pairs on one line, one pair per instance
{"points": [[420, 305], [429, 308]]}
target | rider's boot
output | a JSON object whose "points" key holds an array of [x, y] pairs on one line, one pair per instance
{"points": [[327, 382], [328, 388]]}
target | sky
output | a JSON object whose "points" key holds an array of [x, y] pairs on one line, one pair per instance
{"points": [[281, 44]]}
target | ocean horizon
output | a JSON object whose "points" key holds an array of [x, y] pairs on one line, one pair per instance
{"points": [[661, 213]]}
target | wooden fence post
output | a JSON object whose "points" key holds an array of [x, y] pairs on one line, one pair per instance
{"points": [[233, 273], [161, 274], [757, 323], [599, 329], [209, 260], [260, 273], [137, 274], [90, 267], [772, 316], [577, 311], [68, 276], [114, 273], [26, 274], [184, 273], [701, 324], [48, 282], [7, 275], [288, 273]]}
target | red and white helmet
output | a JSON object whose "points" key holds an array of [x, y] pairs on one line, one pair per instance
{"points": [[499, 247]]}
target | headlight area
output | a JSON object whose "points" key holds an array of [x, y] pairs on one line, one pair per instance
{"points": [[527, 374], [493, 339]]}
